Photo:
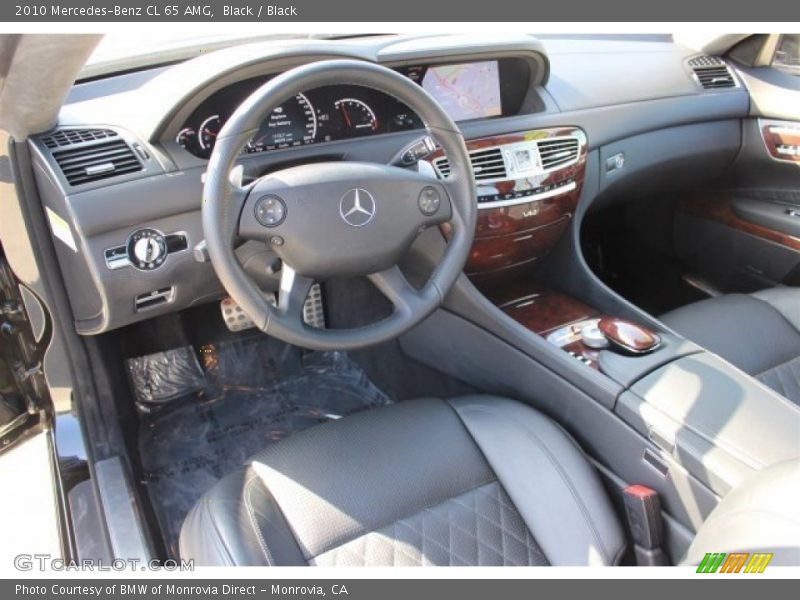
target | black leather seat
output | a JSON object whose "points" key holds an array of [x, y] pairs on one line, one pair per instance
{"points": [[759, 333], [471, 481]]}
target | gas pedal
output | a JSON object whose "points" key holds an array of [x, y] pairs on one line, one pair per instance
{"points": [[313, 313], [237, 320]]}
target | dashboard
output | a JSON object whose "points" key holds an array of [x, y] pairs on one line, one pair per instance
{"points": [[467, 91], [121, 175]]}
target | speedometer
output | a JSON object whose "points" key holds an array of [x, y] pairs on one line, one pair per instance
{"points": [[293, 123], [209, 129]]}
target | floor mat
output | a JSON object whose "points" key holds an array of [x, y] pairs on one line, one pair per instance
{"points": [[256, 391]]}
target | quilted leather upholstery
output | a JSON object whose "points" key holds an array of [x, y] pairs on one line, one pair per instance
{"points": [[479, 528], [477, 480], [784, 379]]}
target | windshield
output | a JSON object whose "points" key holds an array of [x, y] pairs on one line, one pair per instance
{"points": [[118, 51], [123, 52]]}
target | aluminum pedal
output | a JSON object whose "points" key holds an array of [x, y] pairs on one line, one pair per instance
{"points": [[237, 320], [313, 313], [234, 316]]}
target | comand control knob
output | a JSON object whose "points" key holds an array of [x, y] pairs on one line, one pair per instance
{"points": [[593, 337], [147, 249]]}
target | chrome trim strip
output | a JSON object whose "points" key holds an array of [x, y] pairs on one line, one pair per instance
{"points": [[784, 130], [525, 199]]}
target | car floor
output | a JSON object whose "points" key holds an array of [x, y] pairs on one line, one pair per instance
{"points": [[208, 400], [255, 391]]}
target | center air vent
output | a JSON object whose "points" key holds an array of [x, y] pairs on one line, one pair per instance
{"points": [[97, 161], [558, 152], [712, 72], [518, 160], [487, 164]]}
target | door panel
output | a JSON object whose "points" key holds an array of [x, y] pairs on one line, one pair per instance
{"points": [[734, 254], [769, 215], [744, 234]]}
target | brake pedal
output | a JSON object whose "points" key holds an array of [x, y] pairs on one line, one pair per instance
{"points": [[237, 320]]}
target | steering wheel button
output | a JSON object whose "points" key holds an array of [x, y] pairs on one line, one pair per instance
{"points": [[270, 211], [429, 201]]}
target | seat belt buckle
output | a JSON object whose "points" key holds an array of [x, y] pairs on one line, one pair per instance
{"points": [[643, 511]]}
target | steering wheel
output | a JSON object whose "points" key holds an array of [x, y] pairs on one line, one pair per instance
{"points": [[337, 219]]}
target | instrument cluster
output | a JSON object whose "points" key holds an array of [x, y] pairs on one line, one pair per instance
{"points": [[319, 115]]}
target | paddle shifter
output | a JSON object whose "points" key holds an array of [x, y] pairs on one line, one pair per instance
{"points": [[620, 335]]}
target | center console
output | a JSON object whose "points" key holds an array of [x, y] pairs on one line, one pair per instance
{"points": [[530, 321], [684, 413], [714, 421], [528, 186]]}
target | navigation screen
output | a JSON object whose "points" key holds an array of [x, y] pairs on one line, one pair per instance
{"points": [[466, 91]]}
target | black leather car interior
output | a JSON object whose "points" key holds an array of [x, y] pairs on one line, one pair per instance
{"points": [[758, 333], [476, 480]]}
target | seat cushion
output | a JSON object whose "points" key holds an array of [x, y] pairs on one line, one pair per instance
{"points": [[472, 481], [758, 333]]}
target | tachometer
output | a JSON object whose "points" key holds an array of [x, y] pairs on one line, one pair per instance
{"points": [[357, 117], [293, 123]]}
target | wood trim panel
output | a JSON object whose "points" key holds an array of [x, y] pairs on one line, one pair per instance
{"points": [[717, 208], [524, 217], [543, 311], [590, 355], [519, 234], [779, 135], [504, 251]]}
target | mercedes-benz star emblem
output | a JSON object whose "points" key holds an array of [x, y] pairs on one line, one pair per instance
{"points": [[357, 207]]}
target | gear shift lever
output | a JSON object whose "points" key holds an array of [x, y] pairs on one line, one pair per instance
{"points": [[628, 337]]}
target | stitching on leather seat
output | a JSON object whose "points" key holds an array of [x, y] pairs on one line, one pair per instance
{"points": [[206, 506], [248, 486], [398, 546], [782, 316], [778, 373], [559, 469]]}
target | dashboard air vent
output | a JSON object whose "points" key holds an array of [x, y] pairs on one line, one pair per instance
{"points": [[557, 152], [486, 164], [97, 161], [712, 72], [68, 137]]}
